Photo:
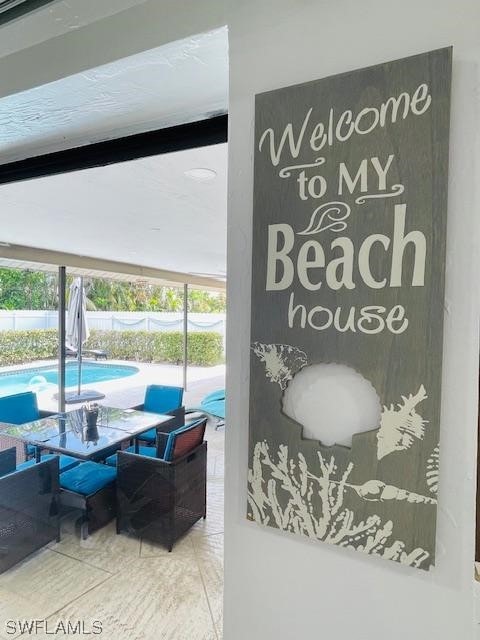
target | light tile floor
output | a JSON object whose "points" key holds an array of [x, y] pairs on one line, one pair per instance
{"points": [[137, 590]]}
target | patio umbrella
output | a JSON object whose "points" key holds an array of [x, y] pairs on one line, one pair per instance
{"points": [[75, 335], [77, 328]]}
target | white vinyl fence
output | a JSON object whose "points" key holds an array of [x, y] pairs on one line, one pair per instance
{"points": [[119, 321]]}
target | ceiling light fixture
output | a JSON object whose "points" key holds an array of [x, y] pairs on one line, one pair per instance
{"points": [[200, 174]]}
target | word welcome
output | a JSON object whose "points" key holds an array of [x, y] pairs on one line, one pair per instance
{"points": [[339, 128]]}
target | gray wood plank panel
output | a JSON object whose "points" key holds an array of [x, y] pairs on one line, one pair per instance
{"points": [[379, 496]]}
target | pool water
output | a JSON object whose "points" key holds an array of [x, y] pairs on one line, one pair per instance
{"points": [[44, 378]]}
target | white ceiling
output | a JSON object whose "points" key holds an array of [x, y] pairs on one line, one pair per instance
{"points": [[179, 82], [55, 19], [144, 212]]}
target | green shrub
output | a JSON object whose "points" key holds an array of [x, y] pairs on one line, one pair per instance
{"points": [[204, 348], [17, 347]]}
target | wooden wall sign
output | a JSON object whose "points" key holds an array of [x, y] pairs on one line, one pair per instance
{"points": [[350, 203]]}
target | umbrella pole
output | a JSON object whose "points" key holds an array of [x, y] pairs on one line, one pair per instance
{"points": [[185, 335], [61, 338], [80, 332]]}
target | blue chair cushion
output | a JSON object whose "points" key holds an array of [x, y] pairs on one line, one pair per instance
{"points": [[87, 478], [19, 408], [219, 394], [151, 452], [65, 462], [162, 399], [149, 436], [215, 408]]}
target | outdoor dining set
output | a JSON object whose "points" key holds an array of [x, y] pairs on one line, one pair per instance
{"points": [[144, 466]]}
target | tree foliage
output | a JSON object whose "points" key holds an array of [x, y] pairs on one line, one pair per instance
{"points": [[27, 290], [37, 290]]}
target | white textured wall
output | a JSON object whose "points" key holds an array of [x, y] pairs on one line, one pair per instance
{"points": [[279, 587]]}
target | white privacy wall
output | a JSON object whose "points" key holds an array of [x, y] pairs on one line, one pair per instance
{"points": [[279, 587]]}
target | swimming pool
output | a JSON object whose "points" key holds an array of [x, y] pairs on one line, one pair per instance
{"points": [[43, 378]]}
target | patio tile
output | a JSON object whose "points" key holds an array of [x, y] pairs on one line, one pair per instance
{"points": [[216, 466], [215, 441], [214, 521], [43, 583], [14, 607], [209, 555], [104, 549], [158, 599], [183, 548]]}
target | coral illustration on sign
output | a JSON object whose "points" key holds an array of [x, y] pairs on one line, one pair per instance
{"points": [[282, 493]]}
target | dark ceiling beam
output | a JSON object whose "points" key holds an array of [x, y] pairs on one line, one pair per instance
{"points": [[179, 138], [12, 10]]}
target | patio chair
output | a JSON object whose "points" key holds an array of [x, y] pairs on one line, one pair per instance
{"points": [[98, 354], [160, 499], [8, 461], [90, 487], [162, 399], [18, 409], [165, 442], [29, 507], [213, 405]]}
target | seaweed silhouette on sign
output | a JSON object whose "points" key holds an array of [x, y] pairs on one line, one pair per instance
{"points": [[281, 492], [281, 361], [432, 470], [399, 428]]}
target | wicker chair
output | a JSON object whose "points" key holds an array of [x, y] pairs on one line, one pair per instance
{"points": [[18, 409], [29, 507], [160, 499], [8, 460], [213, 405], [166, 400]]}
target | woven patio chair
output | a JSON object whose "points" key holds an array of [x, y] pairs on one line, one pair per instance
{"points": [[29, 507], [166, 400], [159, 499]]}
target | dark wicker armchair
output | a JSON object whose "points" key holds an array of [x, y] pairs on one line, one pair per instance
{"points": [[166, 400], [18, 409], [160, 499], [29, 508]]}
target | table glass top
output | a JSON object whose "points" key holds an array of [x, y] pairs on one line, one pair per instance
{"points": [[39, 430], [69, 431], [86, 443]]}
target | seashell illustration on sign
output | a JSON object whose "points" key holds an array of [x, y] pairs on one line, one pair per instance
{"points": [[399, 428], [281, 361]]}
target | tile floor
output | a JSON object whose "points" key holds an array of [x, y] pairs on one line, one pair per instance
{"points": [[136, 590]]}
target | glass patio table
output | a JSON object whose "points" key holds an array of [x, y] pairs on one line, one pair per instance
{"points": [[68, 432]]}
